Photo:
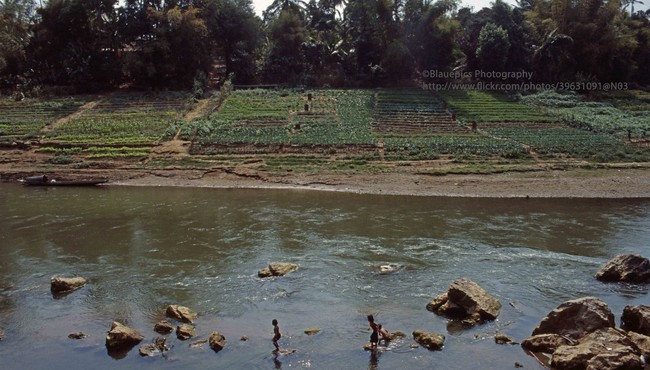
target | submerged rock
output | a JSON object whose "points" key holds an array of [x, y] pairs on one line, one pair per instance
{"points": [[2, 334], [576, 318], [217, 341], [64, 285], [466, 301], [151, 349], [428, 339], [198, 343], [185, 331], [121, 336], [77, 335], [163, 327], [277, 269], [501, 338], [631, 268], [312, 331], [636, 319], [396, 335], [181, 313]]}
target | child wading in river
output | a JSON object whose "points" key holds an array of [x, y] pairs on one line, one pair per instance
{"points": [[374, 337], [276, 334]]}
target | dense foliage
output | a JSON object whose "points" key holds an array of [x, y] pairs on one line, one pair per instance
{"points": [[99, 44]]}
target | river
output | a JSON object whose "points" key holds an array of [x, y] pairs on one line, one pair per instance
{"points": [[145, 248]]}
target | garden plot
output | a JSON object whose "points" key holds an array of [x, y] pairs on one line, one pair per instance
{"points": [[26, 119], [263, 121], [404, 112], [118, 126], [485, 108], [570, 142]]}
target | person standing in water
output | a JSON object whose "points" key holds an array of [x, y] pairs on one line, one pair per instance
{"points": [[276, 334], [374, 337]]}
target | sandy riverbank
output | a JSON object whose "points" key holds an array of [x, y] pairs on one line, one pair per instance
{"points": [[574, 183]]}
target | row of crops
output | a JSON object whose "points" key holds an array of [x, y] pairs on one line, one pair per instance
{"points": [[122, 120], [625, 115], [486, 107], [399, 123], [404, 112], [287, 117], [24, 120]]}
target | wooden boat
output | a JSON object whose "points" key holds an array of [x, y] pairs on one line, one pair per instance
{"points": [[45, 181]]}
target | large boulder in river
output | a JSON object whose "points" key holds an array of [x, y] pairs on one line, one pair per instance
{"points": [[576, 318], [121, 336], [277, 269], [180, 313], [636, 319], [64, 285], [429, 339], [467, 301], [217, 341], [603, 349], [631, 268]]}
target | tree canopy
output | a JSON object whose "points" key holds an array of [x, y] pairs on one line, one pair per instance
{"points": [[100, 44]]}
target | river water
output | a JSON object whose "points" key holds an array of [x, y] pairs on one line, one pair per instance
{"points": [[145, 248]]}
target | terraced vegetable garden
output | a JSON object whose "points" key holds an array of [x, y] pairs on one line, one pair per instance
{"points": [[408, 112], [24, 120], [253, 121], [126, 125], [490, 110], [626, 116]]}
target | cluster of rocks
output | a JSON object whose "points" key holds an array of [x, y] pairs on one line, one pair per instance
{"points": [[581, 334], [121, 337], [578, 334]]}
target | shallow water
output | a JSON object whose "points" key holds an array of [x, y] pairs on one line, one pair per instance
{"points": [[145, 248]]}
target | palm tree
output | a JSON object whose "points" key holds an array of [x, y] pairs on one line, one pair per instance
{"points": [[279, 5], [631, 3]]}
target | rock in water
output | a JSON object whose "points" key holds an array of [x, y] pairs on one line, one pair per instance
{"points": [[501, 338], [467, 301], [636, 319], [77, 335], [64, 285], [631, 268], [180, 313], [217, 341], [163, 327], [546, 343], [575, 318], [603, 349], [185, 331], [428, 339], [121, 336], [2, 334], [277, 269], [312, 331], [150, 349]]}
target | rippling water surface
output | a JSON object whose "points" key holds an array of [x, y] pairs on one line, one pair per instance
{"points": [[145, 248]]}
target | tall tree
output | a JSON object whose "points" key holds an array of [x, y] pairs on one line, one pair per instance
{"points": [[15, 20], [493, 48], [235, 32], [75, 43]]}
